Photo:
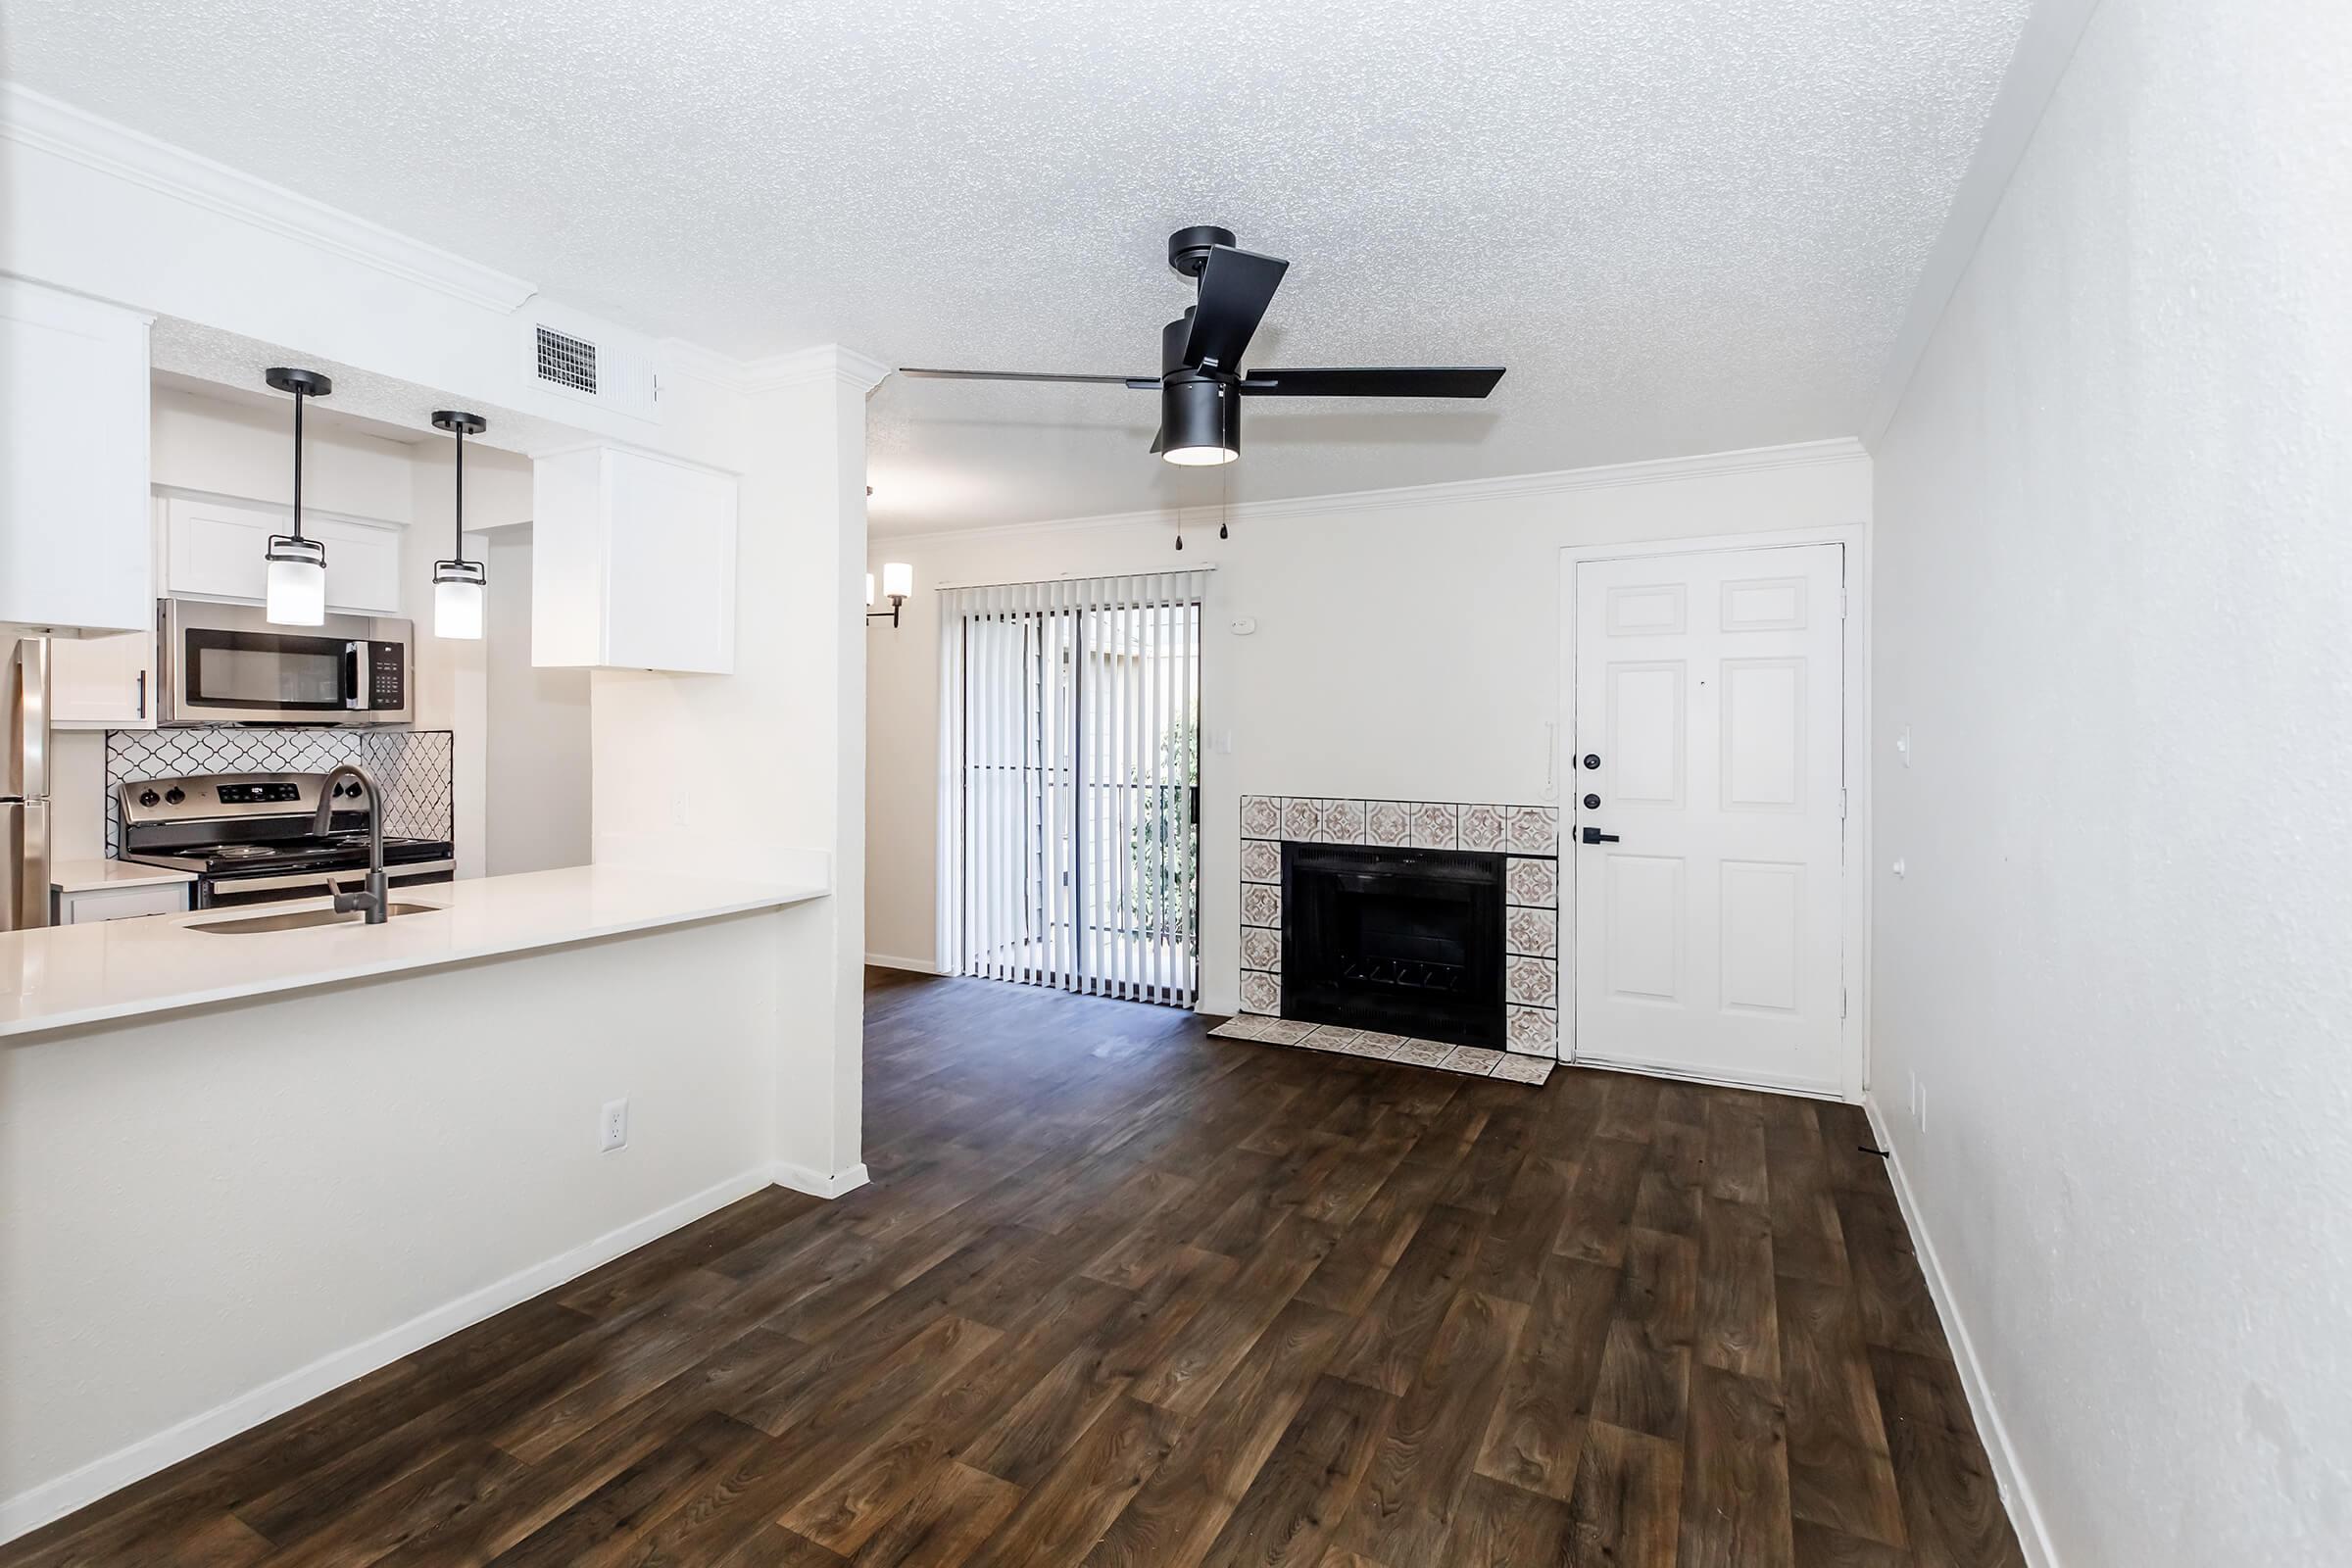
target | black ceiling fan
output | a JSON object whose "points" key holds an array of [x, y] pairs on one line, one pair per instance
{"points": [[1202, 382]]}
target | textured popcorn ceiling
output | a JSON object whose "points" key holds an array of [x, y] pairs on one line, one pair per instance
{"points": [[1686, 225]]}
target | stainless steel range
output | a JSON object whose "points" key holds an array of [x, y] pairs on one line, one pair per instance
{"points": [[250, 838]]}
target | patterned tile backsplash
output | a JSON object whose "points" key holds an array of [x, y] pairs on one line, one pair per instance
{"points": [[1528, 834], [414, 767]]}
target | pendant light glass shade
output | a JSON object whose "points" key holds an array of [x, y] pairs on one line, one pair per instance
{"points": [[461, 587], [869, 589], [897, 580], [297, 592], [461, 598]]}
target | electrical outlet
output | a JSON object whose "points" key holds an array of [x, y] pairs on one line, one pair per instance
{"points": [[613, 1129]]}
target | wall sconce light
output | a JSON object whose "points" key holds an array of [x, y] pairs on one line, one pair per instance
{"points": [[898, 583]]}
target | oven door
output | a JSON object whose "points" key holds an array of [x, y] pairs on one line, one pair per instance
{"points": [[226, 664], [235, 891]]}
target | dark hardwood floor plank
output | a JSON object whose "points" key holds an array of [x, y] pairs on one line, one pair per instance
{"points": [[1608, 1178], [1386, 1348], [1737, 1330], [941, 1528], [1840, 1474], [1645, 1366], [1535, 1436], [1407, 1507], [1176, 1516], [1735, 1475], [1626, 1509], [1288, 1511], [1952, 1506], [1071, 1507], [1499, 1526]]}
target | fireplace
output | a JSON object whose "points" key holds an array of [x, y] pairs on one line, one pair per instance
{"points": [[1406, 941]]}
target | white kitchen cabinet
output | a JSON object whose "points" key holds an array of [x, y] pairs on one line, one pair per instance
{"points": [[103, 682], [215, 549], [73, 519], [632, 562]]}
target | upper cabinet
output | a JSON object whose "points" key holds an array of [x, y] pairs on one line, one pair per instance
{"points": [[73, 508], [632, 562], [215, 549]]}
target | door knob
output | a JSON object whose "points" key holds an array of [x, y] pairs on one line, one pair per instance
{"points": [[1593, 835]]}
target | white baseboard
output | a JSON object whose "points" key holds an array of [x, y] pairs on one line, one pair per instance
{"points": [[53, 1499], [801, 1179], [2017, 1493], [883, 960]]}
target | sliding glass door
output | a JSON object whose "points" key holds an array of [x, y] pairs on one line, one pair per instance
{"points": [[1069, 831]]}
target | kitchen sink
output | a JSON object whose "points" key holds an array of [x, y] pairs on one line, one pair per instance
{"points": [[297, 919]]}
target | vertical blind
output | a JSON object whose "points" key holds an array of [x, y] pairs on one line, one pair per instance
{"points": [[1069, 828]]}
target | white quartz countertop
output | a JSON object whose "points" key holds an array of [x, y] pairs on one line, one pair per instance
{"points": [[82, 876], [62, 976]]}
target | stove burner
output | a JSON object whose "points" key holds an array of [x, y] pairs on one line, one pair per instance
{"points": [[244, 851]]}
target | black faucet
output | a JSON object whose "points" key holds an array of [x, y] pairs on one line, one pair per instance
{"points": [[377, 900]]}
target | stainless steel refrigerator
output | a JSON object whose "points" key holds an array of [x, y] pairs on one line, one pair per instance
{"points": [[25, 786]]}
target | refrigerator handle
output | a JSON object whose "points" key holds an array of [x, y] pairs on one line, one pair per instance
{"points": [[27, 774]]}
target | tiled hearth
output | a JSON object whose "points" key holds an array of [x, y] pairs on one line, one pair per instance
{"points": [[1527, 835]]}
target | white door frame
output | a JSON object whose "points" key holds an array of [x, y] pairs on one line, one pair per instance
{"points": [[1854, 1029]]}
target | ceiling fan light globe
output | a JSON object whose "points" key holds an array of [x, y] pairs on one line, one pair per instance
{"points": [[1200, 422]]}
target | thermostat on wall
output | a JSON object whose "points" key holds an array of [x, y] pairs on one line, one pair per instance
{"points": [[1244, 625]]}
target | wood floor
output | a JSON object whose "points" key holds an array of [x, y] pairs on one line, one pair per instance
{"points": [[1122, 1294]]}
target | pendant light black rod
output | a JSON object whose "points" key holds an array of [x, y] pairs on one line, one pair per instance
{"points": [[298, 398], [460, 425], [304, 385]]}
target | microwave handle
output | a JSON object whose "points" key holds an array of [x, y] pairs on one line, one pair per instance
{"points": [[355, 670]]}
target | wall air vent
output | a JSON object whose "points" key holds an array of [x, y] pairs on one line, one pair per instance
{"points": [[583, 360], [566, 362]]}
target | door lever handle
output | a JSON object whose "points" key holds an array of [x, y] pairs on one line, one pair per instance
{"points": [[1593, 835]]}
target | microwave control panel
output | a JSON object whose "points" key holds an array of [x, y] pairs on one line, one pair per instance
{"points": [[386, 679]]}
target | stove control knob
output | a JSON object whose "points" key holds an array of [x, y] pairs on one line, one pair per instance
{"points": [[173, 797], [149, 798]]}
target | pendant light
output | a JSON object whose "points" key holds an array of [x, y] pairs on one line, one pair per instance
{"points": [[460, 586], [297, 587]]}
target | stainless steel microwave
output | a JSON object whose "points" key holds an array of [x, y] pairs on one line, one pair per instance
{"points": [[230, 664]]}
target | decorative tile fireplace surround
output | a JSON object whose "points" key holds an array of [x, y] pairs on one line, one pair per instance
{"points": [[1528, 836]]}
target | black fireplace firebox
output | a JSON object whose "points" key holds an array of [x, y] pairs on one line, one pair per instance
{"points": [[1404, 941]]}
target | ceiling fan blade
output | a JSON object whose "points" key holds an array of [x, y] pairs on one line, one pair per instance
{"points": [[1421, 381], [1150, 382], [1235, 287]]}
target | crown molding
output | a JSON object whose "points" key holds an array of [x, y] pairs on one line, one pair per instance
{"points": [[1458, 492], [813, 363], [46, 125]]}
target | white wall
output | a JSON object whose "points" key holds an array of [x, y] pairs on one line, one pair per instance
{"points": [[761, 773], [1408, 646], [538, 755], [213, 1215], [2114, 602]]}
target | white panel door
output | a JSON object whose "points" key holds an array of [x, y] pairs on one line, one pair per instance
{"points": [[1709, 914]]}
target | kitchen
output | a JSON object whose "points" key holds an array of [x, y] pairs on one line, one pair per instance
{"points": [[358, 1117], [126, 713]]}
